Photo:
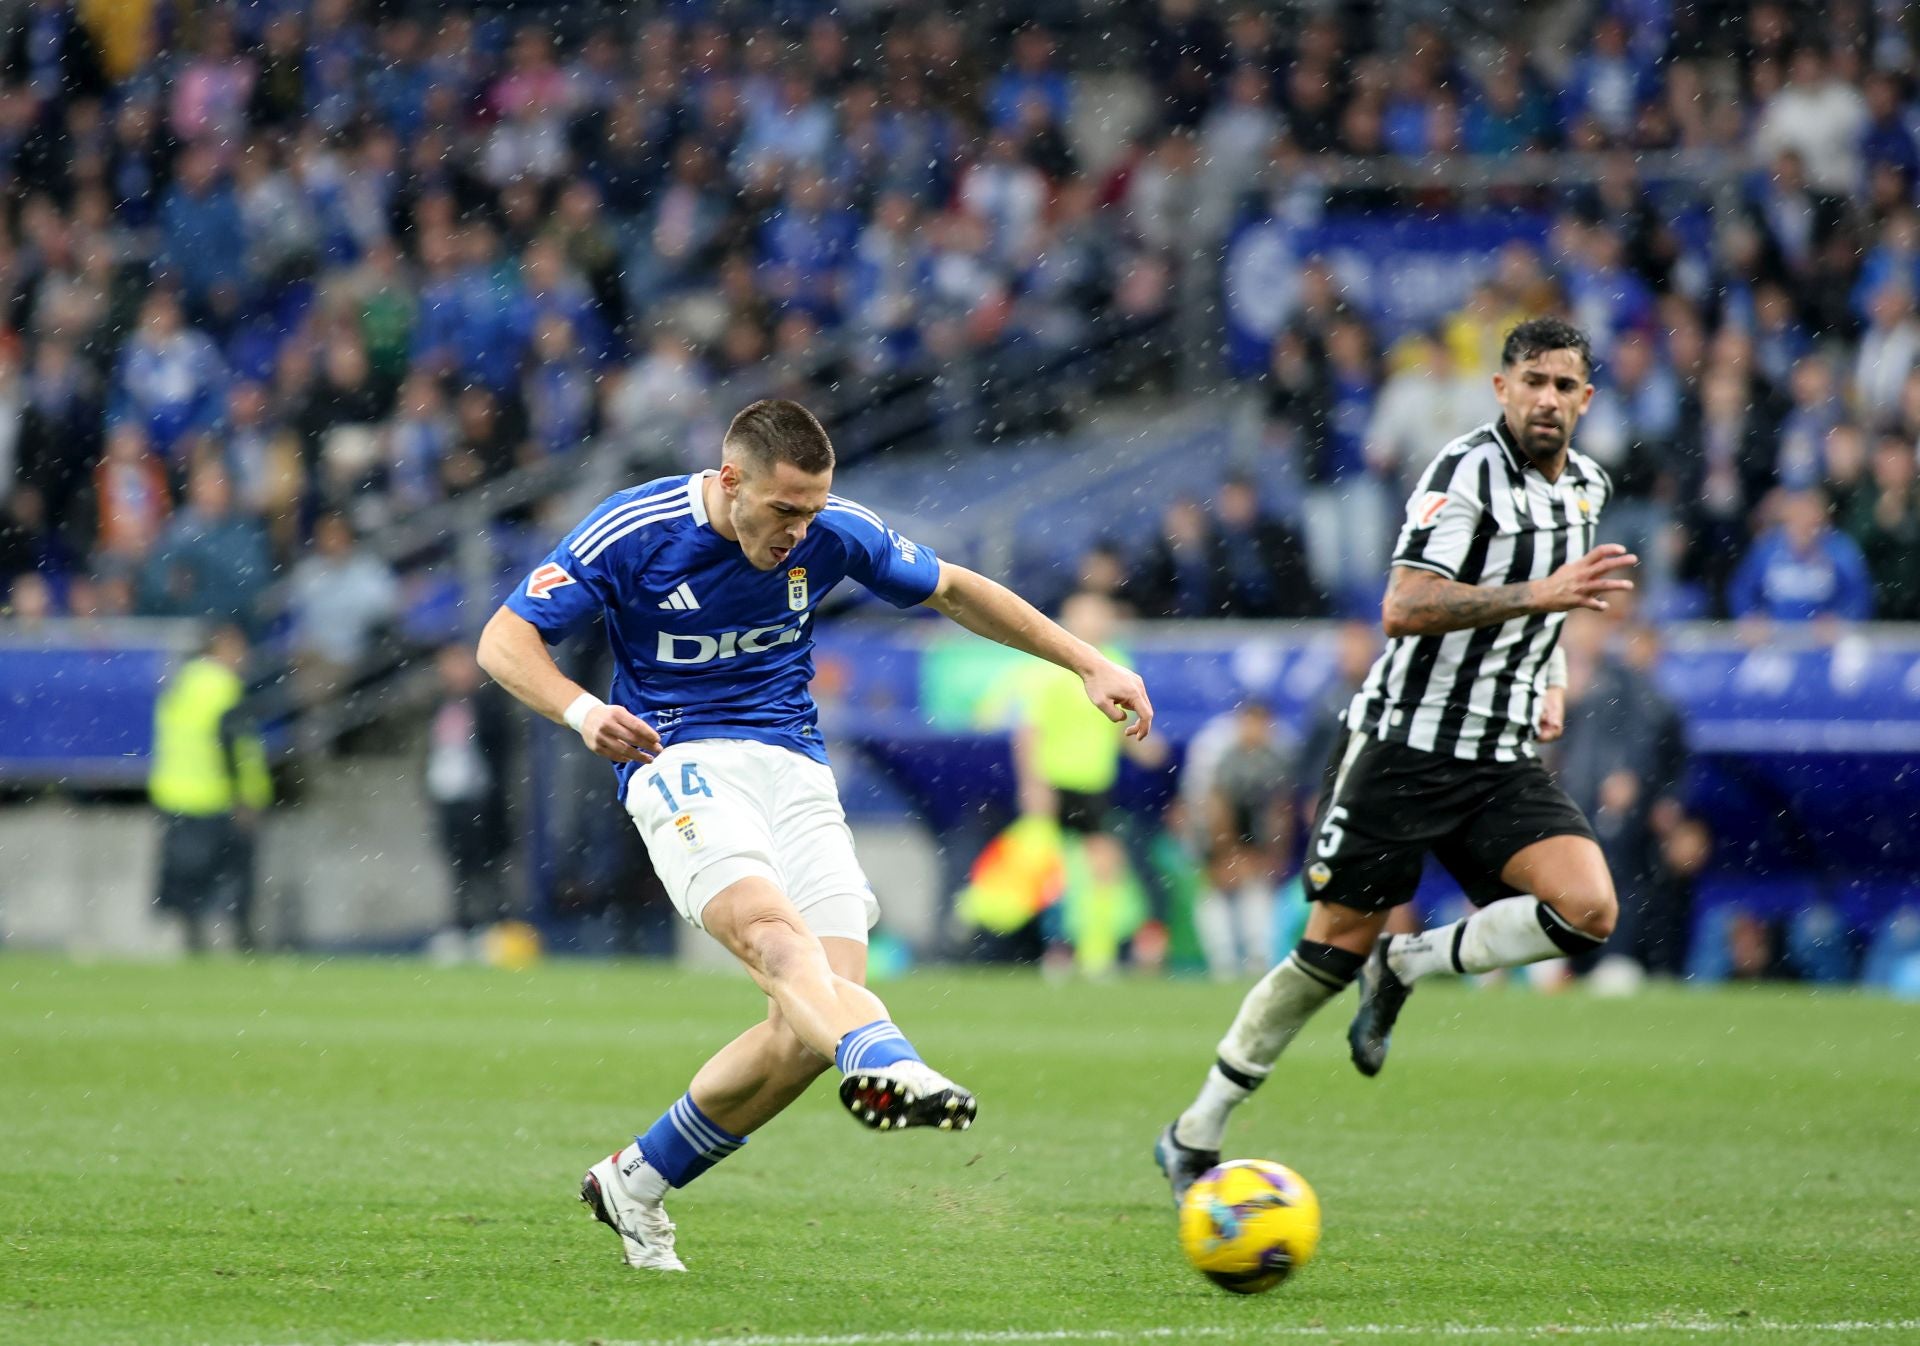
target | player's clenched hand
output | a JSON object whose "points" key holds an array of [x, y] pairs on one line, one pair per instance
{"points": [[1116, 690], [619, 735], [1581, 583]]}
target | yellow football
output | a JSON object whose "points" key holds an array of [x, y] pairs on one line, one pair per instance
{"points": [[1249, 1224]]}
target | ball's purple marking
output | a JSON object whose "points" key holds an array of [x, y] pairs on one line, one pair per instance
{"points": [[1280, 1182], [1276, 1259]]}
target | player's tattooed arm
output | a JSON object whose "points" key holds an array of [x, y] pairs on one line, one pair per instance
{"points": [[1423, 603]]}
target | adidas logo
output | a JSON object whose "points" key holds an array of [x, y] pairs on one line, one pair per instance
{"points": [[681, 599]]}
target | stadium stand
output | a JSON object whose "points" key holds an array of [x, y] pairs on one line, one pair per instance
{"points": [[440, 274]]}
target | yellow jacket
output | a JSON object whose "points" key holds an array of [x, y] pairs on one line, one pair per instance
{"points": [[202, 766]]}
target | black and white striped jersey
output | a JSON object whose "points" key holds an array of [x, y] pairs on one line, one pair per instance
{"points": [[1483, 515]]}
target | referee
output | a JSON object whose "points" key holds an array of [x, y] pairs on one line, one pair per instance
{"points": [[1497, 548]]}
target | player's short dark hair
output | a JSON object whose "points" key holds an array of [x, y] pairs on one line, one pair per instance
{"points": [[1537, 336], [775, 430]]}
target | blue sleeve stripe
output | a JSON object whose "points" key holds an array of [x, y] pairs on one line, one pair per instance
{"points": [[603, 538]]}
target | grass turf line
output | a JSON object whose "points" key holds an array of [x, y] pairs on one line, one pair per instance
{"points": [[223, 1154]]}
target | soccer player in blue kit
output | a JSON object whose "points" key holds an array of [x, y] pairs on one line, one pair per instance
{"points": [[708, 584]]}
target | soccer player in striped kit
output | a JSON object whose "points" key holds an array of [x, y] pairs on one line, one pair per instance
{"points": [[1439, 755]]}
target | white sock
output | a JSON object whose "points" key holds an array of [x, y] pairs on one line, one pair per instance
{"points": [[1253, 908], [643, 1182], [1213, 923], [1201, 1126], [1270, 1015], [1506, 933]]}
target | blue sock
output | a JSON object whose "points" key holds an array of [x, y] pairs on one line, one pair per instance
{"points": [[877, 1044], [685, 1143]]}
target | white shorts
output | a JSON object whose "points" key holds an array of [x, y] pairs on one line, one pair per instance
{"points": [[718, 810]]}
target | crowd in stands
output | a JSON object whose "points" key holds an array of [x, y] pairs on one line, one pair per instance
{"points": [[265, 266]]}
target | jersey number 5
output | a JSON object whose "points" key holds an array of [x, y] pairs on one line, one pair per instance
{"points": [[1331, 833], [691, 784]]}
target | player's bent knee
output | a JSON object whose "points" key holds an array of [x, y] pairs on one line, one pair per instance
{"points": [[1591, 911]]}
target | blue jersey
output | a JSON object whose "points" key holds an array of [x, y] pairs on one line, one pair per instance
{"points": [[705, 645]]}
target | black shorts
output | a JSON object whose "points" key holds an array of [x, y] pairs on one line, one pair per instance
{"points": [[1389, 805], [1080, 814]]}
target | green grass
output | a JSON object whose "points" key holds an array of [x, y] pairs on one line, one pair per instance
{"points": [[292, 1151]]}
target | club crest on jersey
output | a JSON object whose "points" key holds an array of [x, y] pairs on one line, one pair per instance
{"points": [[797, 589], [542, 582], [689, 834], [1319, 875], [1428, 507]]}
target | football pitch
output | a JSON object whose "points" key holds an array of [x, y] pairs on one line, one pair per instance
{"points": [[308, 1151]]}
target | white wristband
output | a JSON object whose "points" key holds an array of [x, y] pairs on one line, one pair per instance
{"points": [[582, 706]]}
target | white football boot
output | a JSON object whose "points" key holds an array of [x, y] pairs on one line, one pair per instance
{"points": [[906, 1093], [646, 1234]]}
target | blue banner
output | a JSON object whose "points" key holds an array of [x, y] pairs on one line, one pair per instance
{"points": [[1401, 270]]}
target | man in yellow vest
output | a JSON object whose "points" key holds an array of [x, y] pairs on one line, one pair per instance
{"points": [[209, 781], [1066, 762]]}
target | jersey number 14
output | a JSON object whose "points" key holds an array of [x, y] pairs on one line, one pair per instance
{"points": [[691, 784]]}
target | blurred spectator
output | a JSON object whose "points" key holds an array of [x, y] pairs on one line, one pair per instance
{"points": [[47, 48], [343, 399], [203, 240], [1889, 349], [209, 782], [418, 442], [210, 561], [1422, 405], [1008, 196], [1356, 644], [172, 380], [1813, 409], [1631, 430], [1181, 574], [1728, 470], [29, 602], [28, 542], [58, 435], [1803, 570], [1348, 502], [1236, 138], [1103, 571], [1623, 759], [559, 389], [466, 776], [1819, 116], [1607, 82], [667, 388], [131, 487], [1885, 522], [1238, 783], [342, 596], [1263, 566]]}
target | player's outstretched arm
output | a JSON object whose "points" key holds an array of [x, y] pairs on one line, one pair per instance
{"points": [[998, 613], [1423, 603], [514, 655]]}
